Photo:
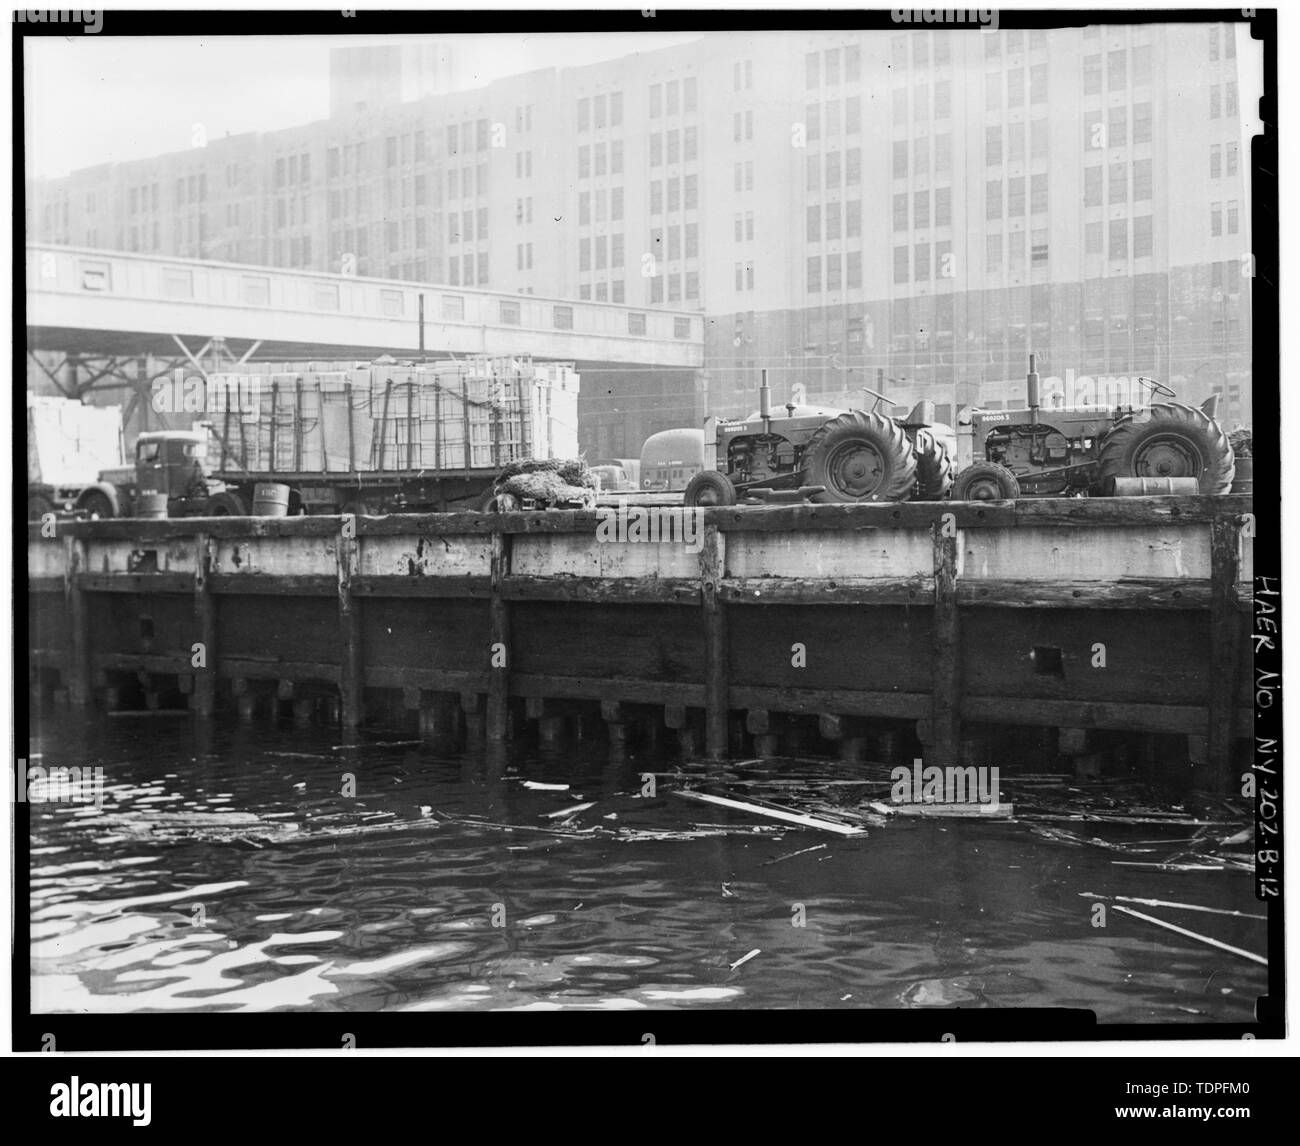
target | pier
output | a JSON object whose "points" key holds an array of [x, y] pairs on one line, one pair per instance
{"points": [[885, 628]]}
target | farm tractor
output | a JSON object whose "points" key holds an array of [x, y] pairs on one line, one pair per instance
{"points": [[1164, 448], [826, 456]]}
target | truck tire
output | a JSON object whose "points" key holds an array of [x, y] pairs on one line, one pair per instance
{"points": [[860, 457], [708, 487], [97, 504], [934, 467], [225, 504], [986, 481], [38, 505], [1177, 441]]}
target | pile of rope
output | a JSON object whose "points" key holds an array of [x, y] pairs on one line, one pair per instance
{"points": [[549, 481]]}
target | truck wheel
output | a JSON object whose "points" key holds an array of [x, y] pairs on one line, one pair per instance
{"points": [[860, 457], [708, 487], [934, 467], [986, 481], [225, 504], [1177, 441], [38, 505], [97, 505]]}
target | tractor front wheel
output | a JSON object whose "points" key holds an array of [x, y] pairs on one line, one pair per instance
{"points": [[1177, 441], [986, 481], [860, 457], [708, 487], [225, 504]]}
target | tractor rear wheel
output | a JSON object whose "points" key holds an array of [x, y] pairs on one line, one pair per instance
{"points": [[986, 481], [1177, 441], [860, 457], [97, 504], [708, 487], [934, 467]]}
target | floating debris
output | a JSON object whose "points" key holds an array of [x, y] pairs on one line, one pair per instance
{"points": [[1170, 903], [745, 958], [774, 812], [1193, 935], [538, 786]]}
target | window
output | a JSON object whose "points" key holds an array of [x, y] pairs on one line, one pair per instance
{"points": [[657, 197], [832, 169], [921, 156], [691, 190], [853, 115], [616, 250], [690, 94], [508, 313], [635, 323], [602, 252], [922, 269], [900, 264], [1117, 127], [1214, 42], [1232, 216], [681, 328], [584, 206], [921, 103], [993, 199], [1092, 74], [656, 149], [584, 161], [615, 205], [1016, 196], [943, 206], [853, 270], [692, 240], [1141, 180], [942, 152], [1118, 192], [1142, 123], [852, 64], [812, 123], [1016, 143], [900, 212], [812, 69], [1215, 101], [900, 160], [1092, 238], [921, 208], [691, 142], [813, 171], [584, 254], [1038, 83], [1142, 239], [1016, 87], [1038, 246], [1216, 219], [853, 166], [992, 91], [853, 218], [674, 194], [562, 317], [900, 106], [1116, 69], [815, 273], [1037, 194], [814, 229], [599, 156], [672, 93], [1119, 238], [1230, 98], [992, 146], [674, 147], [993, 252]]}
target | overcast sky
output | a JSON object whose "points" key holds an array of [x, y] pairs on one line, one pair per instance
{"points": [[94, 99]]}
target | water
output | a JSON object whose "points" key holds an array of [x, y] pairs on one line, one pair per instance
{"points": [[226, 871]]}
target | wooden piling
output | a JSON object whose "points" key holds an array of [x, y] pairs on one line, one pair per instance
{"points": [[78, 682], [498, 722], [350, 670], [712, 565], [945, 710], [204, 701], [1225, 650]]}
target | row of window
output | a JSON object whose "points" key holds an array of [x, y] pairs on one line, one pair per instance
{"points": [[823, 69], [1226, 37], [611, 292], [1117, 236], [1220, 152], [681, 147], [140, 199], [608, 251], [1022, 86], [675, 97], [1223, 100], [1218, 215], [920, 267], [817, 115], [919, 151], [293, 170], [683, 194], [460, 271], [671, 241], [842, 272], [1014, 136], [460, 137], [676, 287], [1117, 69], [921, 215], [845, 166], [600, 112], [606, 159], [1116, 176], [826, 218], [1111, 128], [461, 228], [1015, 196], [586, 200]]}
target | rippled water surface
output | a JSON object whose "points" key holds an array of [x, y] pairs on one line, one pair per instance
{"points": [[226, 871]]}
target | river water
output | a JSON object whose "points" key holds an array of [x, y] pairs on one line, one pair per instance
{"points": [[228, 870]]}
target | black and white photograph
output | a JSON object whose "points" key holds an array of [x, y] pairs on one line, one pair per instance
{"points": [[687, 516]]}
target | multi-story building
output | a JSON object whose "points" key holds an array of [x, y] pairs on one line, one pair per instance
{"points": [[923, 206]]}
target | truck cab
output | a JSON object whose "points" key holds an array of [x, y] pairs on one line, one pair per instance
{"points": [[173, 462]]}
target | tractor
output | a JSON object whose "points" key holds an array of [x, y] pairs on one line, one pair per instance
{"points": [[1164, 448], [825, 455]]}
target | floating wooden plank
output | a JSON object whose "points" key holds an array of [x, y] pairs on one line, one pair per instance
{"points": [[774, 813], [999, 811], [1180, 906], [1192, 935]]}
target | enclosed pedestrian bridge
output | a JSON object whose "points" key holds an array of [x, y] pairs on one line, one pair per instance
{"points": [[92, 302]]}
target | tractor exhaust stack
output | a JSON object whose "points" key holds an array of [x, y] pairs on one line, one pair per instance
{"points": [[1032, 390], [765, 402]]}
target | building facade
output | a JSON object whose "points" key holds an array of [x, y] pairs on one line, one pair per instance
{"points": [[923, 207]]}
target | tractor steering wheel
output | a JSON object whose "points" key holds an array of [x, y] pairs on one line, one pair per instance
{"points": [[1158, 387], [878, 395]]}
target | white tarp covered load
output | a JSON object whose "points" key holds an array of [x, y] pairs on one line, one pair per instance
{"points": [[68, 443], [479, 413]]}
